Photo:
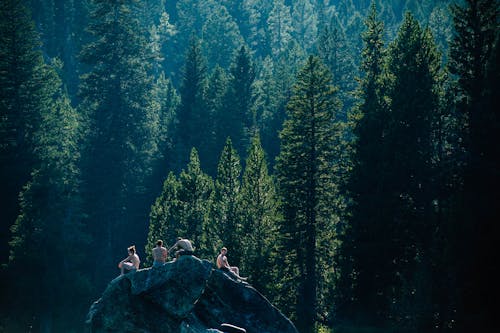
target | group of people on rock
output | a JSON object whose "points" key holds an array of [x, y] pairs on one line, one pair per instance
{"points": [[183, 247]]}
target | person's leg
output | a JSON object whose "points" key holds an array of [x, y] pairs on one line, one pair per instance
{"points": [[128, 266], [236, 270]]}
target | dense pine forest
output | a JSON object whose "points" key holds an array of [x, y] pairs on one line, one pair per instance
{"points": [[346, 152]]}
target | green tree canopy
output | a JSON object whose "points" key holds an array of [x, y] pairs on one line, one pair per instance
{"points": [[306, 185]]}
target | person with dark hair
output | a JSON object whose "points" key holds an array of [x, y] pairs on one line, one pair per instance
{"points": [[160, 254], [131, 263], [183, 246], [223, 264]]}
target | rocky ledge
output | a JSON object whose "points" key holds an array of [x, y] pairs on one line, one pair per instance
{"points": [[184, 296]]}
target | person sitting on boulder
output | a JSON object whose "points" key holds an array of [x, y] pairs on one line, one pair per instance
{"points": [[131, 263], [223, 264], [160, 254], [184, 246]]}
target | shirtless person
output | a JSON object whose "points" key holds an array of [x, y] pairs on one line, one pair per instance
{"points": [[223, 264], [184, 247], [131, 263], [159, 254]]}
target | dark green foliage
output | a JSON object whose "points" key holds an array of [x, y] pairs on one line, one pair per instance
{"points": [[195, 188], [236, 119], [334, 50], [225, 228], [304, 22], [23, 93], [306, 180], [160, 38], [260, 218], [356, 282], [192, 111], [221, 37], [254, 27], [279, 28], [474, 62], [214, 96], [39, 135], [270, 106], [61, 25], [164, 217], [122, 120], [391, 184], [49, 225], [273, 92], [404, 222], [414, 65], [168, 100]]}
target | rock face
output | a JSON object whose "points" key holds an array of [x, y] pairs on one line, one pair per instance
{"points": [[185, 296]]}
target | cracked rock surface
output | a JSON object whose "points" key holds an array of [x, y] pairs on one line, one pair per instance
{"points": [[184, 296]]}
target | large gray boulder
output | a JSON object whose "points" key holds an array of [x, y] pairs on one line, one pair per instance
{"points": [[184, 296]]}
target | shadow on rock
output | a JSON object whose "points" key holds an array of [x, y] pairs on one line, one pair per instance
{"points": [[184, 296]]}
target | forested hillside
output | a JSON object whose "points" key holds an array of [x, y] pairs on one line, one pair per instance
{"points": [[344, 151]]}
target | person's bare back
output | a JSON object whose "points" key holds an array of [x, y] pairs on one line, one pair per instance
{"points": [[160, 254], [185, 244], [134, 259]]}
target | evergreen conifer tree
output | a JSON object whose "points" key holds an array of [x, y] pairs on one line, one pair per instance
{"points": [[22, 95], [117, 96], [473, 60], [192, 112], [221, 37], [195, 188], [214, 96], [414, 69], [359, 276], [305, 23], [225, 220], [279, 28], [254, 27], [50, 221], [168, 99], [306, 186], [236, 119], [260, 219], [164, 217], [335, 52]]}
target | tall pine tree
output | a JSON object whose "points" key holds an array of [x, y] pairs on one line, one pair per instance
{"points": [[225, 220], [236, 119], [195, 188], [122, 134], [260, 219], [22, 94], [414, 66], [214, 96], [50, 222], [333, 49], [192, 112], [473, 62], [306, 187], [357, 297]]}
